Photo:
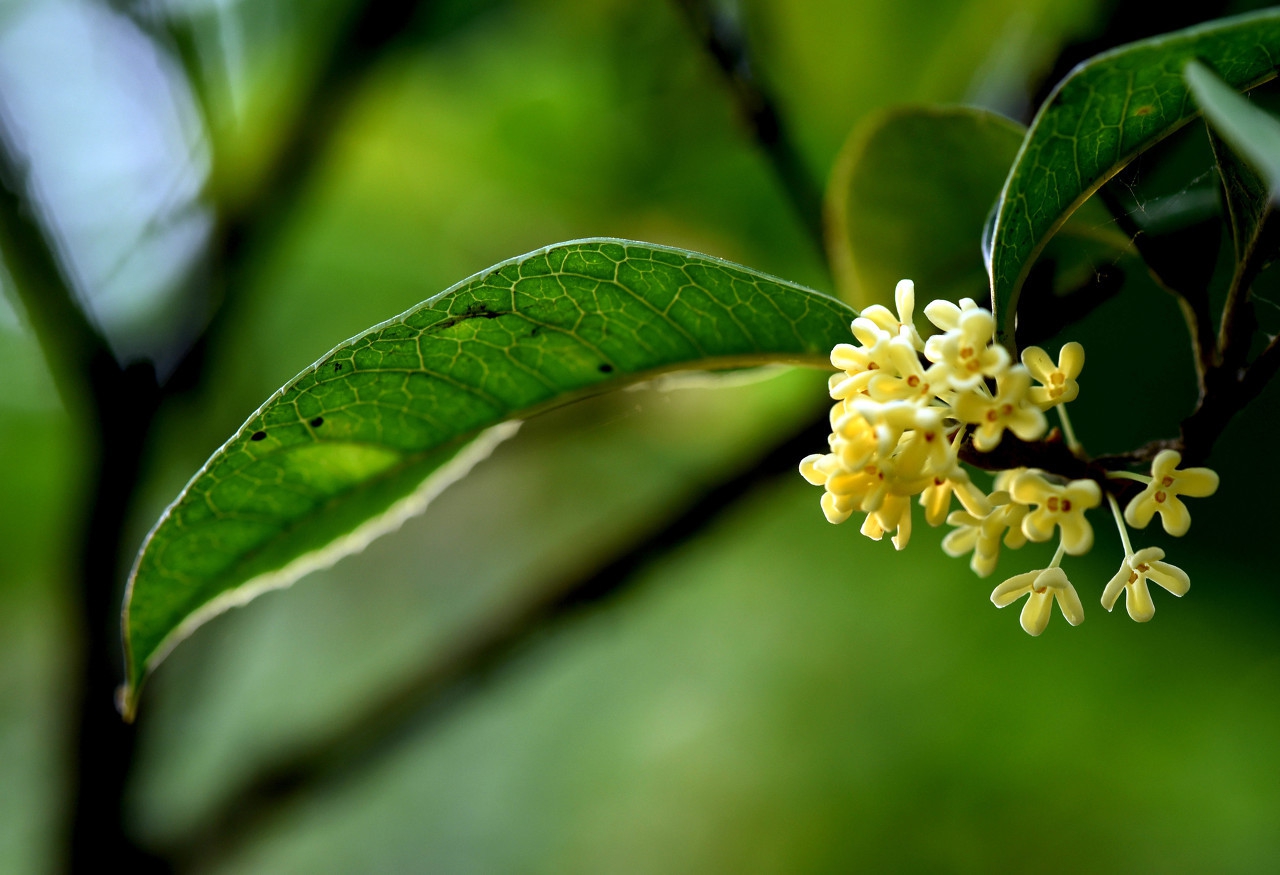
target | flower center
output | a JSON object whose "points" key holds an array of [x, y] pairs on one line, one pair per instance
{"points": [[1160, 496], [1052, 503], [1167, 480], [913, 381]]}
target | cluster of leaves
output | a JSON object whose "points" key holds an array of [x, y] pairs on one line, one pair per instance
{"points": [[373, 430]]}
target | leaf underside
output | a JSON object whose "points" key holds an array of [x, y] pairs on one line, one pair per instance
{"points": [[1105, 112], [368, 434]]}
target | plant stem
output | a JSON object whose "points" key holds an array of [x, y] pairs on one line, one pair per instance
{"points": [[1124, 531]]}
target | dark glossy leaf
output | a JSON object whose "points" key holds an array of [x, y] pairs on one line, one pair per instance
{"points": [[1104, 113], [367, 435]]}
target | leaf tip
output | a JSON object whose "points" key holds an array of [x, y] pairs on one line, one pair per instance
{"points": [[127, 702]]}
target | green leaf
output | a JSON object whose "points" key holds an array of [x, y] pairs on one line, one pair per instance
{"points": [[909, 197], [1250, 131], [912, 194], [1249, 202], [1251, 185], [1105, 112], [369, 434]]}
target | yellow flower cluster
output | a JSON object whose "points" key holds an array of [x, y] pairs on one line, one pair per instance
{"points": [[904, 406]]}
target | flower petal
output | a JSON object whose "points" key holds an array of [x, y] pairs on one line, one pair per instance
{"points": [[1069, 604], [1013, 589], [1035, 613], [1175, 516], [1171, 577], [1077, 534], [834, 514], [1141, 509], [1071, 360], [1165, 463], [1196, 482], [1038, 363], [809, 470], [1115, 586], [960, 541], [1137, 601]]}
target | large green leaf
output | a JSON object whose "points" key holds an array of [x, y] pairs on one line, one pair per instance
{"points": [[367, 435], [911, 195], [1105, 112]]}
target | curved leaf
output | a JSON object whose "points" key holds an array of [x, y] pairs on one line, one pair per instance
{"points": [[366, 436], [1104, 113], [1253, 133], [911, 196]]}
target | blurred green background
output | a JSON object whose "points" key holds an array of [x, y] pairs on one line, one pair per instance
{"points": [[776, 695]]}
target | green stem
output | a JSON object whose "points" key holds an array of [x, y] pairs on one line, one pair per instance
{"points": [[1124, 531], [1072, 443]]}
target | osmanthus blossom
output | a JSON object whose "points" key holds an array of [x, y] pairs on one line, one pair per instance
{"points": [[1009, 409], [1161, 494], [1043, 588], [1132, 579], [1057, 505], [905, 407], [1057, 382]]}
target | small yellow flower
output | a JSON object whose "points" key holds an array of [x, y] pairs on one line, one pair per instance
{"points": [[1060, 506], [904, 296], [982, 533], [967, 351], [1161, 494], [1009, 409], [945, 315], [936, 498], [893, 515], [907, 381], [1043, 587], [1132, 577], [1057, 383]]}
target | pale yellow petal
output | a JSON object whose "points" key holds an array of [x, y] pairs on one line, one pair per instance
{"points": [[833, 513], [1013, 589], [1165, 463], [1038, 363], [1141, 509], [1069, 604], [1196, 482], [1174, 515], [960, 541], [1077, 534], [809, 470], [1071, 359], [1137, 601], [1170, 577], [1035, 613], [1115, 586]]}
